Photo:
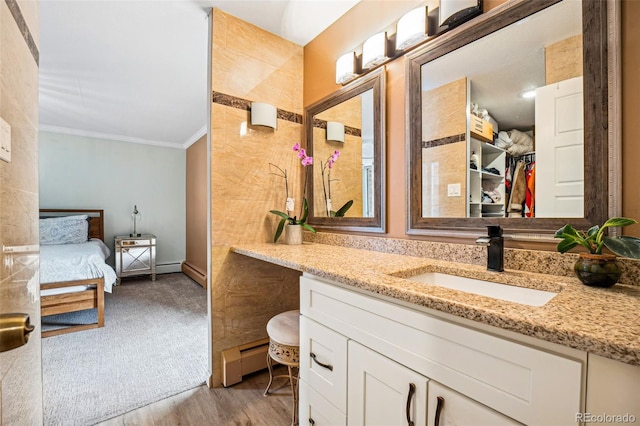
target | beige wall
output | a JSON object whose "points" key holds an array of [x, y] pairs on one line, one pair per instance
{"points": [[251, 64], [195, 264], [630, 112], [320, 56], [351, 30], [20, 381]]}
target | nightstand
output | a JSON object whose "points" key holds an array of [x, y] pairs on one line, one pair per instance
{"points": [[135, 256]]}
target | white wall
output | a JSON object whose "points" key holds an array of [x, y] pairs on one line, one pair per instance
{"points": [[84, 172]]}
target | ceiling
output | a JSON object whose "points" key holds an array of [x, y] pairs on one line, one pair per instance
{"points": [[136, 71]]}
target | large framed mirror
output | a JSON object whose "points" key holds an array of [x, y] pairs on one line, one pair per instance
{"points": [[480, 152], [345, 136]]}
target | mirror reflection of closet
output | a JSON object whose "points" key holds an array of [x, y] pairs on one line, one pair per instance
{"points": [[483, 150], [489, 102]]}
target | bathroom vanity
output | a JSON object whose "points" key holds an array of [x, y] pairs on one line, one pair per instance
{"points": [[378, 345]]}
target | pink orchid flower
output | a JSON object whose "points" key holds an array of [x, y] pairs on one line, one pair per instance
{"points": [[296, 147], [307, 161]]}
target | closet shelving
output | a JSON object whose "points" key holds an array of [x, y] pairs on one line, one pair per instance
{"points": [[480, 179]]}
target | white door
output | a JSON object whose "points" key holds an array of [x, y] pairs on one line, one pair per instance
{"points": [[559, 170], [383, 392]]}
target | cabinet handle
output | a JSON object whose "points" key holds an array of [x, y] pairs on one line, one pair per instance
{"points": [[311, 421], [439, 406], [412, 390], [327, 366]]}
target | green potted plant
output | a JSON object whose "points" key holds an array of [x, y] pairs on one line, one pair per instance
{"points": [[595, 268], [294, 224], [293, 237]]}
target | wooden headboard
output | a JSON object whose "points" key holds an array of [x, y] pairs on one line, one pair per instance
{"points": [[96, 219]]}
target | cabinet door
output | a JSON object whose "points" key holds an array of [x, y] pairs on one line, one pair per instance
{"points": [[314, 410], [383, 392], [323, 361], [449, 408]]}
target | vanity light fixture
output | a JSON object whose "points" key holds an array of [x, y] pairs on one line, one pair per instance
{"points": [[346, 68], [411, 28], [374, 50], [264, 115], [335, 131]]}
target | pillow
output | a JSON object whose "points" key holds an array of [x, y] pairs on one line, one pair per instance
{"points": [[64, 230]]}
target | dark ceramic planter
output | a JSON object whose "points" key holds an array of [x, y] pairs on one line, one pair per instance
{"points": [[597, 270]]}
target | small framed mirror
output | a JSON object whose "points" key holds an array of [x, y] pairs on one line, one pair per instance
{"points": [[481, 153], [345, 136]]}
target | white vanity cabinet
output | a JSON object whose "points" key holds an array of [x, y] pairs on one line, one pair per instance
{"points": [[383, 392], [377, 347]]}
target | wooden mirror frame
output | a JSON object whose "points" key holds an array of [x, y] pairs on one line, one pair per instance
{"points": [[377, 82], [598, 205]]}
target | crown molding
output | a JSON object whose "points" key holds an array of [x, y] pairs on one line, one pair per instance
{"points": [[196, 136], [119, 138]]}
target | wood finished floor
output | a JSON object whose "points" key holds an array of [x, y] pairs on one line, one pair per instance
{"points": [[239, 405]]}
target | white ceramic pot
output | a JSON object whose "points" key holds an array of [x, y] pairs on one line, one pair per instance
{"points": [[293, 234]]}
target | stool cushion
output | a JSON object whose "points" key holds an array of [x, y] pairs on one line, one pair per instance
{"points": [[284, 328]]}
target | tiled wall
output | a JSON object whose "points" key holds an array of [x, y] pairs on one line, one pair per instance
{"points": [[563, 60], [250, 64], [444, 126], [20, 398]]}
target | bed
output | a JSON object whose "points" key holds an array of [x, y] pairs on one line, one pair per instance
{"points": [[73, 272]]}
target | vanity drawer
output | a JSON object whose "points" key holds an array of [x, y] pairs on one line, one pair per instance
{"points": [[314, 410], [323, 361], [530, 385]]}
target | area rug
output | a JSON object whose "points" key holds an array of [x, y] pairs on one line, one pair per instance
{"points": [[153, 345]]}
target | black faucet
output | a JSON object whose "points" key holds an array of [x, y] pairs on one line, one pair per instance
{"points": [[495, 248]]}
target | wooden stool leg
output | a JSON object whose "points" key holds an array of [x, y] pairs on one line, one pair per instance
{"points": [[270, 367]]}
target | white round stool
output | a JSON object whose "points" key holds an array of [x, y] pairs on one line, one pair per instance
{"points": [[284, 348]]}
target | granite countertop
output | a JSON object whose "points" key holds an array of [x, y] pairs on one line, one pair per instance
{"points": [[597, 320]]}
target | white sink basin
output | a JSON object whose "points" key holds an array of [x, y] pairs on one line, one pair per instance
{"points": [[511, 293]]}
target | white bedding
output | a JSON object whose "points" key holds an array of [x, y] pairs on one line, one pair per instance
{"points": [[70, 262]]}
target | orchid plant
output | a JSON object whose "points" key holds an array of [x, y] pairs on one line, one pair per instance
{"points": [[286, 216], [326, 187]]}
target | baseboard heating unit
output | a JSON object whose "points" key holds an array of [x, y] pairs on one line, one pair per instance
{"points": [[242, 360]]}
